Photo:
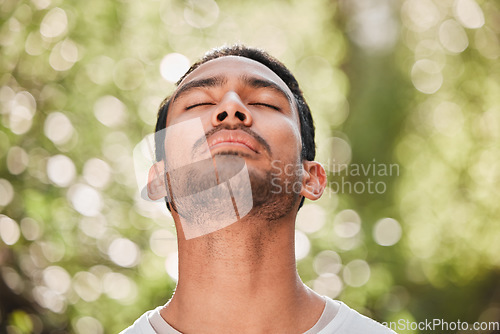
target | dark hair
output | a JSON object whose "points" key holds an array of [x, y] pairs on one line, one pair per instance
{"points": [[306, 122]]}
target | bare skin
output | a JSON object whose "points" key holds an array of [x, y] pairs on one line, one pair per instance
{"points": [[243, 278]]}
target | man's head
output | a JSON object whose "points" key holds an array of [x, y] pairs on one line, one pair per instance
{"points": [[249, 106], [306, 122]]}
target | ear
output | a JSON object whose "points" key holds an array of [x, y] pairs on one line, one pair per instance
{"points": [[156, 181], [314, 180]]}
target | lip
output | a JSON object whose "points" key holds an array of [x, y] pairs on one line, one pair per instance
{"points": [[233, 138]]}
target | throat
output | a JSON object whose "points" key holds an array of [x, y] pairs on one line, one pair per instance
{"points": [[245, 272], [250, 257]]}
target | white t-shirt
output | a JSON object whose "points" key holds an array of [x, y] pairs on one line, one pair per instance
{"points": [[346, 321]]}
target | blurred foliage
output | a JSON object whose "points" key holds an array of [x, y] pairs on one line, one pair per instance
{"points": [[413, 84]]}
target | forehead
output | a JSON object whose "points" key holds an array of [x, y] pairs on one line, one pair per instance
{"points": [[235, 67]]}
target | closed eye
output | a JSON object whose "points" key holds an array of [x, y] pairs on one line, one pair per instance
{"points": [[199, 104], [265, 105]]}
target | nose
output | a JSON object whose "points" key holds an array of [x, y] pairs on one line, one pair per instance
{"points": [[231, 111]]}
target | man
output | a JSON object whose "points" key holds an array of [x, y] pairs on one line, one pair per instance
{"points": [[236, 121]]}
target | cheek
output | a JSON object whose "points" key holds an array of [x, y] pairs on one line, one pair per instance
{"points": [[181, 139], [284, 137]]}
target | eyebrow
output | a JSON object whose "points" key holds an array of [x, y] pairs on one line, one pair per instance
{"points": [[255, 82], [219, 81]]}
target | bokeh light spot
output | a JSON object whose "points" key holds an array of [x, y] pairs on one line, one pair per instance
{"points": [[88, 324], [94, 227], [356, 273], [41, 4], [85, 199], [12, 279], [120, 287], [30, 228], [387, 232], [173, 66], [97, 173], [302, 245], [110, 111], [21, 119], [469, 14], [64, 55], [163, 242], [54, 23], [420, 15], [327, 261], [487, 42], [341, 154], [52, 251], [124, 252], [172, 266], [34, 44], [17, 160], [9, 230], [6, 192], [87, 286], [426, 76], [373, 26], [61, 170], [453, 37], [58, 128], [57, 279], [315, 73], [347, 223], [311, 218], [49, 299], [328, 284]]}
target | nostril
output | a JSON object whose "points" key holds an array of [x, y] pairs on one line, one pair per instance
{"points": [[221, 116], [241, 116]]}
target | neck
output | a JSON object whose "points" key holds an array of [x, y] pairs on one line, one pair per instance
{"points": [[245, 271]]}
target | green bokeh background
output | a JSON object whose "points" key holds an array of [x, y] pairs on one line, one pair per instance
{"points": [[412, 83]]}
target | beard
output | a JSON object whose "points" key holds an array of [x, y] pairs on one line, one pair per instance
{"points": [[272, 199], [213, 193]]}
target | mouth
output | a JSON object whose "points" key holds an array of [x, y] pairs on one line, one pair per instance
{"points": [[232, 140]]}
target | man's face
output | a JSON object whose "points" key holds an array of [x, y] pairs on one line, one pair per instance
{"points": [[245, 109], [231, 123]]}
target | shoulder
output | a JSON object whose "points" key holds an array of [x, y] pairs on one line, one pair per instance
{"points": [[349, 321], [140, 326]]}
